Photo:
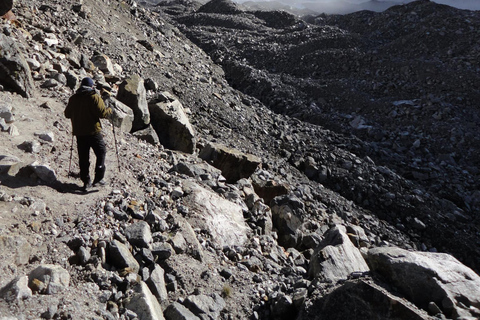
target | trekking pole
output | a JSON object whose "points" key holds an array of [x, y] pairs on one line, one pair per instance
{"points": [[116, 147], [71, 153]]}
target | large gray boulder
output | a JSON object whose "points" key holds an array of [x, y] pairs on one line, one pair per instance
{"points": [[132, 93], [222, 218], [234, 164], [48, 279], [15, 73], [425, 277], [361, 300], [336, 257], [120, 256], [144, 303], [122, 115], [171, 123]]}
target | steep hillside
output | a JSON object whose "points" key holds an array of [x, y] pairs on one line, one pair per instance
{"points": [[279, 210]]}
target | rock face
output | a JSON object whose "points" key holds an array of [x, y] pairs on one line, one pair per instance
{"points": [[144, 303], [234, 164], [336, 257], [361, 300], [48, 279], [426, 277], [222, 218], [15, 72], [132, 93], [171, 124], [122, 116]]}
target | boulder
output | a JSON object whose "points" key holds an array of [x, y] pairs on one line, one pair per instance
{"points": [[177, 311], [336, 257], [17, 289], [205, 307], [15, 73], [268, 189], [48, 279], [222, 218], [156, 283], [122, 115], [16, 247], [44, 172], [10, 165], [361, 300], [6, 113], [121, 257], [132, 93], [171, 124], [425, 277], [286, 218], [234, 164], [103, 63], [148, 135], [144, 303], [139, 234]]}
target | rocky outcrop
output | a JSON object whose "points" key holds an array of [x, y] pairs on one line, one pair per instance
{"points": [[336, 258], [234, 164], [15, 72], [427, 277], [171, 123], [223, 219], [132, 93]]}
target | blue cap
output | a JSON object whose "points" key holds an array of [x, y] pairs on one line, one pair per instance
{"points": [[87, 82]]}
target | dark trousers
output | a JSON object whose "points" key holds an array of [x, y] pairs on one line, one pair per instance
{"points": [[84, 143]]}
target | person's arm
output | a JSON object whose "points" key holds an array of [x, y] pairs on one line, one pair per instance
{"points": [[68, 109], [103, 111]]}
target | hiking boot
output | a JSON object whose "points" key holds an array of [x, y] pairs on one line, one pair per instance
{"points": [[86, 186], [100, 183]]}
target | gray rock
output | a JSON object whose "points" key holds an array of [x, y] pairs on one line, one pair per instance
{"points": [[171, 124], [202, 305], [122, 115], [156, 283], [6, 113], [234, 164], [162, 250], [426, 277], [177, 311], [104, 63], [121, 257], [148, 134], [43, 172], [139, 234], [144, 303], [132, 93], [15, 73], [336, 257], [53, 277], [10, 165], [30, 146], [366, 301], [45, 136], [17, 289], [222, 218], [286, 217]]}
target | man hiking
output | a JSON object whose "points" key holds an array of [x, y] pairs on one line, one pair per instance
{"points": [[84, 109]]}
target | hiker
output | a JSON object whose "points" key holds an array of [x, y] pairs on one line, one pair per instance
{"points": [[84, 109]]}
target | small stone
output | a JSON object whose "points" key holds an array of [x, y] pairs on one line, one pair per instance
{"points": [[139, 234], [17, 289], [45, 136]]}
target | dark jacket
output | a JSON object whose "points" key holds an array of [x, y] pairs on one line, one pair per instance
{"points": [[85, 108]]}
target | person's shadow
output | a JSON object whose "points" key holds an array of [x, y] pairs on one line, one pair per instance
{"points": [[27, 178]]}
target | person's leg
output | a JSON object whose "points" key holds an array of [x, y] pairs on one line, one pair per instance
{"points": [[83, 147], [98, 146]]}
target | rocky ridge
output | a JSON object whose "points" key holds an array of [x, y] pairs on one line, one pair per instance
{"points": [[266, 217]]}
